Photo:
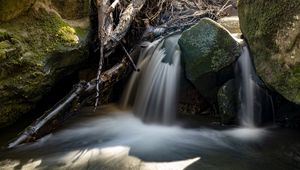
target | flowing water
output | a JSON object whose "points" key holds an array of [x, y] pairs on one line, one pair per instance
{"points": [[247, 89], [152, 92], [115, 139]]}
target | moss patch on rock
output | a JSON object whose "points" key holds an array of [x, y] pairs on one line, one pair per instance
{"points": [[273, 30]]}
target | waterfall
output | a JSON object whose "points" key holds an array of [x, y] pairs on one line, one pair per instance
{"points": [[247, 87], [152, 91]]}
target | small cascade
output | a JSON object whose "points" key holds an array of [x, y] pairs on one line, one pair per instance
{"points": [[247, 87], [152, 91]]}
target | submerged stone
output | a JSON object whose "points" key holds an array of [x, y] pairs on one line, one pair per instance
{"points": [[208, 54]]}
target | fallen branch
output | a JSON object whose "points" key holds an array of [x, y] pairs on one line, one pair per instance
{"points": [[102, 6], [71, 103]]}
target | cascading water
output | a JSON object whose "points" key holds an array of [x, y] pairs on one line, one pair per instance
{"points": [[247, 85], [152, 92]]}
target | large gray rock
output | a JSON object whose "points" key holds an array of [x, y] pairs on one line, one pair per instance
{"points": [[272, 29], [208, 54]]}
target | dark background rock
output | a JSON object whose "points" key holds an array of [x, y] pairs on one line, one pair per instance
{"points": [[228, 102]]}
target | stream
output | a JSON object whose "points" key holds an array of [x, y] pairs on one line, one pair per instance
{"points": [[116, 139], [143, 133]]}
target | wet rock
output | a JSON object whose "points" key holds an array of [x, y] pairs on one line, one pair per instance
{"points": [[208, 54], [190, 102], [273, 30], [228, 102]]}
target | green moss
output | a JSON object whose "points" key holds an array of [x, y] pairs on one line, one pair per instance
{"points": [[67, 34], [41, 32]]}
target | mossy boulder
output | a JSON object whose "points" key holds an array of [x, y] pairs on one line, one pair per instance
{"points": [[36, 49], [227, 102], [208, 55], [273, 32]]}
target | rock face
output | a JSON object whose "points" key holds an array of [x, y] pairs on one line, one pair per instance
{"points": [[273, 32], [208, 54], [71, 9], [232, 24], [9, 9], [36, 49]]}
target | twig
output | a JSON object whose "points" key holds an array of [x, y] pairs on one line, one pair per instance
{"points": [[113, 6], [223, 7], [130, 59]]}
